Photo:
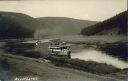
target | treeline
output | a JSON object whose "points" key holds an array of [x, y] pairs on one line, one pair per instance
{"points": [[117, 49], [15, 25], [119, 21]]}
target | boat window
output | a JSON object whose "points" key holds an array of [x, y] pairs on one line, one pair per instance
{"points": [[63, 47]]}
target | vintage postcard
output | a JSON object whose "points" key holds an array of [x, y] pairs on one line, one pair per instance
{"points": [[63, 40]]}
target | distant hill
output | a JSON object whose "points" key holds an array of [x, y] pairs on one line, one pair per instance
{"points": [[62, 25], [114, 26], [16, 25]]}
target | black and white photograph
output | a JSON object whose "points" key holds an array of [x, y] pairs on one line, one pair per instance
{"points": [[63, 40]]}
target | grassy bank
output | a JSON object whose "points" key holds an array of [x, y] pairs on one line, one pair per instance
{"points": [[86, 66]]}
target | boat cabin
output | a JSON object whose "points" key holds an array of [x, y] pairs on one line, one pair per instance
{"points": [[60, 49]]}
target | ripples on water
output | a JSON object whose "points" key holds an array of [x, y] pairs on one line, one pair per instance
{"points": [[100, 57]]}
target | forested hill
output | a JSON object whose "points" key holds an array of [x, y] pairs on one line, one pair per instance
{"points": [[16, 25], [115, 25]]}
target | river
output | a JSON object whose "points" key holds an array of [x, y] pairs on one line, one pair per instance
{"points": [[93, 55], [98, 56]]}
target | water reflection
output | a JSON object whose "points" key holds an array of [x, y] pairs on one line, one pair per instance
{"points": [[98, 56]]}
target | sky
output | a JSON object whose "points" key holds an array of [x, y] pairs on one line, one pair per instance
{"points": [[95, 10]]}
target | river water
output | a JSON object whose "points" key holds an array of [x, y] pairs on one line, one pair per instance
{"points": [[94, 55], [98, 56]]}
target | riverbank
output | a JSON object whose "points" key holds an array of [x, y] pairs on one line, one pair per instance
{"points": [[86, 66]]}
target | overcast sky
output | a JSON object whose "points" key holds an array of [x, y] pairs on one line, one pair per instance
{"points": [[96, 10]]}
